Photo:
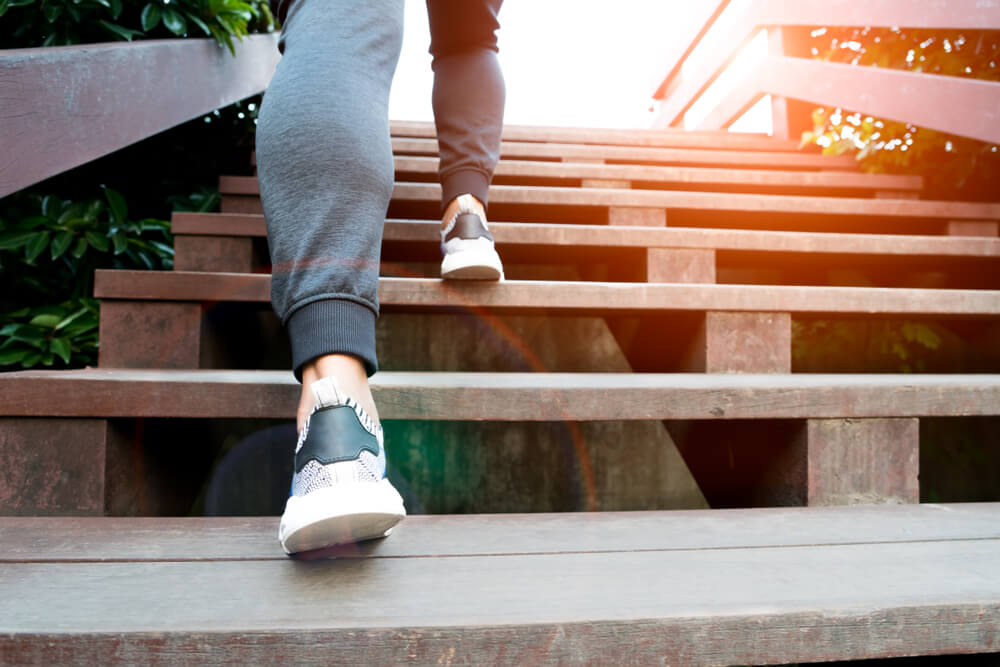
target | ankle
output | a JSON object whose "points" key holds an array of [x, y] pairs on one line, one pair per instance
{"points": [[454, 207], [351, 378]]}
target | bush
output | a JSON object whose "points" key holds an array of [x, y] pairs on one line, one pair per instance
{"points": [[953, 167], [32, 23], [49, 249]]}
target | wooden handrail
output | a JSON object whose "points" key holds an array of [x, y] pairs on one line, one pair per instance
{"points": [[61, 107], [679, 94], [973, 108], [707, 13]]}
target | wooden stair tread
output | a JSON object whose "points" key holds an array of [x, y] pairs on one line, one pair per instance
{"points": [[428, 166], [747, 604], [641, 154], [100, 392], [567, 296], [712, 201], [80, 539], [663, 137], [552, 234]]}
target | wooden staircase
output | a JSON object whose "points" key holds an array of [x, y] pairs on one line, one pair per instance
{"points": [[640, 347]]}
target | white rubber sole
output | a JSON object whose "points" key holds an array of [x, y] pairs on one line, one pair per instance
{"points": [[341, 514], [474, 263]]}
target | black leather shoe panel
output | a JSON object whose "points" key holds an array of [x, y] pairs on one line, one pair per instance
{"points": [[468, 226], [335, 435]]}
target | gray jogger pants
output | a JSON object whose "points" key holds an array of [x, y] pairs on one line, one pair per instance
{"points": [[324, 157]]}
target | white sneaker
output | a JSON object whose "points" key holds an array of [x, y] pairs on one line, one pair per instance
{"points": [[467, 246], [339, 491]]}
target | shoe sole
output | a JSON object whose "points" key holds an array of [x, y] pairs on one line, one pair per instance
{"points": [[472, 264], [342, 514]]}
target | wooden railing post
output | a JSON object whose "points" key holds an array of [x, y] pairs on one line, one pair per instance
{"points": [[789, 118]]}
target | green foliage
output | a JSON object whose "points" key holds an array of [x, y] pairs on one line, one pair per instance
{"points": [[953, 166], [31, 23], [859, 346], [49, 249]]}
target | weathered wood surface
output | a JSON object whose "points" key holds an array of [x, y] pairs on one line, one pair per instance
{"points": [[646, 155], [546, 234], [687, 200], [664, 138], [57, 112], [971, 110], [633, 600], [512, 169], [505, 396], [78, 539], [568, 296]]}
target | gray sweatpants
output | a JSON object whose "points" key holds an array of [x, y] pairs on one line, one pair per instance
{"points": [[324, 157]]}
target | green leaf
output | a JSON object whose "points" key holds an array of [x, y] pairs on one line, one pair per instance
{"points": [[4, 6], [94, 208], [119, 210], [11, 328], [198, 22], [116, 9], [121, 242], [52, 12], [97, 241], [46, 321], [61, 244], [50, 206], [32, 222], [151, 14], [20, 3], [79, 248], [31, 359], [70, 318], [35, 247], [14, 240], [174, 22], [61, 347], [13, 356], [121, 31]]}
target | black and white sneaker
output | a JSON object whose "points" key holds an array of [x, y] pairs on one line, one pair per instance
{"points": [[339, 490], [467, 245]]}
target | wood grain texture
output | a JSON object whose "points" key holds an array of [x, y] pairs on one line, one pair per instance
{"points": [[700, 607], [57, 112], [645, 155], [253, 538], [505, 396], [52, 467], [545, 234], [687, 200], [213, 253], [614, 136], [138, 335], [743, 343], [571, 296]]}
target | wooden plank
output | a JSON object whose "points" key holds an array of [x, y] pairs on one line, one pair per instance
{"points": [[408, 165], [983, 228], [213, 253], [52, 467], [663, 138], [568, 296], [59, 115], [702, 201], [511, 233], [161, 334], [886, 93], [742, 343], [640, 154], [95, 392], [805, 603], [253, 538]]}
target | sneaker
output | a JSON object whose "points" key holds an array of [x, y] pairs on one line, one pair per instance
{"points": [[339, 493], [467, 246]]}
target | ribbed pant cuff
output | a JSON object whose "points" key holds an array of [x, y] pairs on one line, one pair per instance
{"points": [[466, 181], [332, 326]]}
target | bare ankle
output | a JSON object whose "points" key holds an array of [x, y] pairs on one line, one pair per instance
{"points": [[351, 377], [453, 207]]}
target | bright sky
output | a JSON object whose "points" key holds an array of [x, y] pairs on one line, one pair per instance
{"points": [[566, 62]]}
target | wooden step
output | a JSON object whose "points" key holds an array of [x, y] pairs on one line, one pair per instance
{"points": [[646, 176], [99, 392], [567, 296], [563, 236], [758, 586], [645, 155], [628, 201], [664, 138]]}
